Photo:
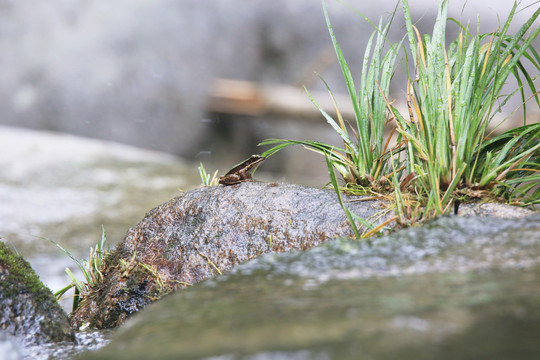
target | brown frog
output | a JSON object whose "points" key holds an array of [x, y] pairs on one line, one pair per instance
{"points": [[241, 172]]}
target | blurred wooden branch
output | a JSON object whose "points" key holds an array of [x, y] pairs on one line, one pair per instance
{"points": [[282, 101]]}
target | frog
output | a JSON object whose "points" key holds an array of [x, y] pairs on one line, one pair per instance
{"points": [[241, 172]]}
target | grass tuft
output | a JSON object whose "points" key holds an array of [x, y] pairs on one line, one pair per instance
{"points": [[207, 179], [443, 153], [91, 269]]}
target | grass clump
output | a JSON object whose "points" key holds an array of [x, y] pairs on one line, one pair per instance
{"points": [[456, 92], [206, 178], [444, 153], [91, 269]]}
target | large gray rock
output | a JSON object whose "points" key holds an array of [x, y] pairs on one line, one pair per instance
{"points": [[206, 232]]}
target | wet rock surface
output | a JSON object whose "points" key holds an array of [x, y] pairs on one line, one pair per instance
{"points": [[28, 309], [457, 288], [206, 232]]}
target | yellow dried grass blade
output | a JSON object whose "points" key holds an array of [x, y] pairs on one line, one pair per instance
{"points": [[487, 54], [378, 228]]}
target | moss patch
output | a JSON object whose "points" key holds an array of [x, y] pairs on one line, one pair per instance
{"points": [[28, 309], [20, 272]]}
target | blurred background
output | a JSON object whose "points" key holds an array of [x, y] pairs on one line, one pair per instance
{"points": [[108, 107], [144, 72]]}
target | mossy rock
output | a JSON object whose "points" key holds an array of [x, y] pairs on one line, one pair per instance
{"points": [[28, 309]]}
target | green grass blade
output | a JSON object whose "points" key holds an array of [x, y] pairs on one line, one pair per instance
{"points": [[363, 142], [342, 132], [65, 251], [336, 189]]}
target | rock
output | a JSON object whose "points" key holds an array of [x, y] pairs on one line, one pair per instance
{"points": [[208, 231], [28, 309], [494, 209]]}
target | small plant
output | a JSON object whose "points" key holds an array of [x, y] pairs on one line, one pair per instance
{"points": [[443, 153], [91, 269], [207, 179], [455, 94]]}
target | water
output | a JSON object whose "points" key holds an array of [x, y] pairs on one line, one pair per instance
{"points": [[457, 288], [86, 341]]}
